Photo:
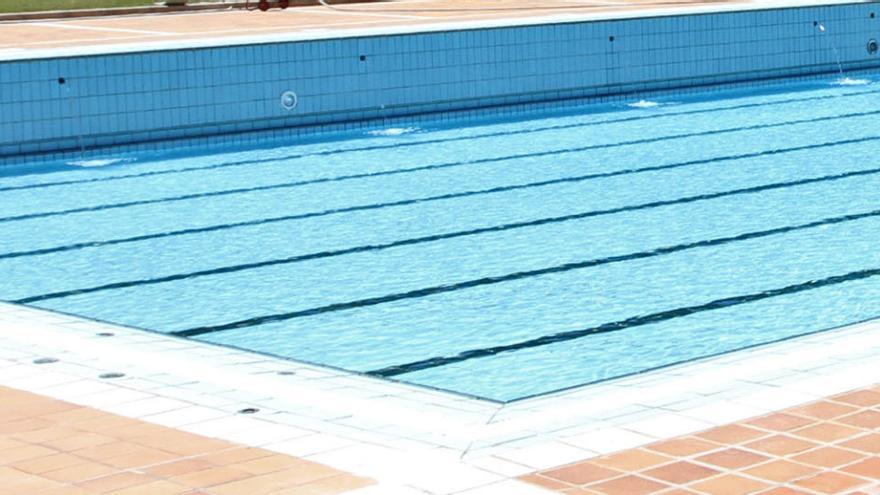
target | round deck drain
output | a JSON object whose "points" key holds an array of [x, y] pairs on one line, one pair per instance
{"points": [[108, 376], [105, 334], [46, 360], [873, 47], [287, 373], [248, 410], [289, 100]]}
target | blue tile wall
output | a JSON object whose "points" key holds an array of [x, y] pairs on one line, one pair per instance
{"points": [[129, 98]]}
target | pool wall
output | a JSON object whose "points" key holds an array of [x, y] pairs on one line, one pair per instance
{"points": [[57, 106]]}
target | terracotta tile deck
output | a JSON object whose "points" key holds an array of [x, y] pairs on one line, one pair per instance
{"points": [[52, 447], [828, 447], [304, 20]]}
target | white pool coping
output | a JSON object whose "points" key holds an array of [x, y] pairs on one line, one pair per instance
{"points": [[410, 439], [439, 26]]}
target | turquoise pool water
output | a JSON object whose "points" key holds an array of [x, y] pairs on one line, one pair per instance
{"points": [[499, 259]]}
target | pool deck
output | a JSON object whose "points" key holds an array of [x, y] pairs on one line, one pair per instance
{"points": [[412, 440], [49, 446], [827, 446], [235, 26], [798, 417]]}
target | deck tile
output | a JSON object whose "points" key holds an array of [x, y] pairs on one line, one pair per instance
{"points": [[116, 481], [211, 477], [729, 485], [824, 410], [864, 398], [632, 460], [780, 422], [868, 468], [781, 445], [828, 457], [867, 443], [628, 485], [79, 451], [827, 432], [782, 471], [829, 446], [686, 446], [732, 434], [732, 458], [831, 482], [581, 473], [868, 419], [783, 490], [681, 472]]}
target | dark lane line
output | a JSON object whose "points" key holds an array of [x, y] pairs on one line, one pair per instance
{"points": [[185, 197], [429, 291], [426, 142], [213, 228], [473, 283], [628, 323]]}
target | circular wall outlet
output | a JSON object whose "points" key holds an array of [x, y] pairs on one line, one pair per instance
{"points": [[289, 100]]}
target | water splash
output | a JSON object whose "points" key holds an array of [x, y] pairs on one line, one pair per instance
{"points": [[98, 163], [824, 31], [848, 81], [394, 131], [644, 104]]}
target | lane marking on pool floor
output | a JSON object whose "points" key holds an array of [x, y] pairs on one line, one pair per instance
{"points": [[373, 301], [264, 221], [405, 144], [449, 287], [268, 187], [628, 323]]}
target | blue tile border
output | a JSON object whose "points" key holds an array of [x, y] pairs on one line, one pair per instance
{"points": [[83, 106]]}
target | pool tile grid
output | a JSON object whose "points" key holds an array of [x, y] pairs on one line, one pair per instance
{"points": [[413, 440], [61, 107], [50, 447], [824, 447]]}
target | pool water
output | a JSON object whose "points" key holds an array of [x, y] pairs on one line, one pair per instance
{"points": [[501, 259]]}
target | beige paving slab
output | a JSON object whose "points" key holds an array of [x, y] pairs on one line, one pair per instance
{"points": [[33, 461], [239, 23]]}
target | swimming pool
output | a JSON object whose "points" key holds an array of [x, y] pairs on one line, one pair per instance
{"points": [[501, 259]]}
